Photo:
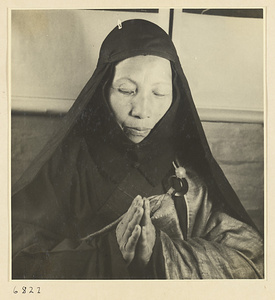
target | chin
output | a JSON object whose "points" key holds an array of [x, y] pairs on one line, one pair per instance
{"points": [[136, 139]]}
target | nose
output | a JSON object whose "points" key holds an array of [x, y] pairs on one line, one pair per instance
{"points": [[140, 106]]}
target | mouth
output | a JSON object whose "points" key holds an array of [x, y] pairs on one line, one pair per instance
{"points": [[137, 131]]}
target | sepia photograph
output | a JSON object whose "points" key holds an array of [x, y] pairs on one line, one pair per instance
{"points": [[137, 143]]}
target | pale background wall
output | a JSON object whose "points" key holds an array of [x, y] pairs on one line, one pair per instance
{"points": [[54, 53], [222, 58]]}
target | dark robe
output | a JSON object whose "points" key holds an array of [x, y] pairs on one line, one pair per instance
{"points": [[66, 207]]}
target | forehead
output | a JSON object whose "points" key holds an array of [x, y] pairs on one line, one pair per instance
{"points": [[141, 66]]}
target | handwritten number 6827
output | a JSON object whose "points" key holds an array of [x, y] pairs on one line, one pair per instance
{"points": [[26, 290]]}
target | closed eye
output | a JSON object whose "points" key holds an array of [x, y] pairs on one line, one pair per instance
{"points": [[126, 91], [159, 94]]}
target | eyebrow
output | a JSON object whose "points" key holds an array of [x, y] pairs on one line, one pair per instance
{"points": [[128, 79], [134, 82]]}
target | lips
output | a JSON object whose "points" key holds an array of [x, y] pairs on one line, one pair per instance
{"points": [[137, 131]]}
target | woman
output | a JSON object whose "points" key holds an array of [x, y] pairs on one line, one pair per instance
{"points": [[128, 187]]}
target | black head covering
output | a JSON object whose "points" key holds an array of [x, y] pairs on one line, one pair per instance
{"points": [[141, 37]]}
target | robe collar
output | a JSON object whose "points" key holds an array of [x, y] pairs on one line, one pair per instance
{"points": [[153, 164]]}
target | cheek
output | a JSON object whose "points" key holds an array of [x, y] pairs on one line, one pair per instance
{"points": [[160, 109], [119, 107]]}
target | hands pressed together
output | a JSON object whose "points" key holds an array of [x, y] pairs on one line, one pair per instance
{"points": [[136, 234]]}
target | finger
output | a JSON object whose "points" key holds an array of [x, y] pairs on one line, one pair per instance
{"points": [[145, 246], [132, 218], [147, 239], [132, 223], [137, 216], [133, 240], [147, 212], [137, 202], [148, 235], [143, 238], [146, 220]]}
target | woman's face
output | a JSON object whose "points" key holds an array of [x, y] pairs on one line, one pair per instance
{"points": [[140, 94]]}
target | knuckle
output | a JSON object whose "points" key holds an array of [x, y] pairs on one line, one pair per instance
{"points": [[135, 237], [122, 247], [129, 228]]}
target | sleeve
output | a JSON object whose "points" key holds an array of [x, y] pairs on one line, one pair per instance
{"points": [[45, 242], [217, 246], [100, 259], [230, 249]]}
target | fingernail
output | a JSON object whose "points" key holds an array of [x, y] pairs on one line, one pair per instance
{"points": [[137, 198], [140, 210]]}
